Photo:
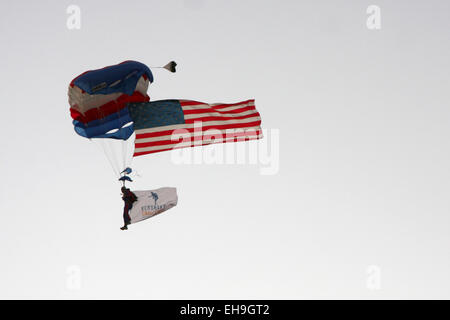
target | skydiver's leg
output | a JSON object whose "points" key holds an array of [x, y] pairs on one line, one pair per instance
{"points": [[127, 214], [126, 217]]}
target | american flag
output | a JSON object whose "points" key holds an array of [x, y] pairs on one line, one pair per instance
{"points": [[169, 124]]}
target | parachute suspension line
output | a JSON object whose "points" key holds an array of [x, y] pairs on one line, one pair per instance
{"points": [[125, 160], [124, 154], [127, 157], [130, 149], [107, 153], [122, 143], [107, 148], [112, 155], [115, 154], [118, 152]]}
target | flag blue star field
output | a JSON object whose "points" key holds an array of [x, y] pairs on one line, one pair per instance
{"points": [[170, 124]]}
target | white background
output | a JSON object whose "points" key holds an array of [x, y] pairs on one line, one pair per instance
{"points": [[364, 171]]}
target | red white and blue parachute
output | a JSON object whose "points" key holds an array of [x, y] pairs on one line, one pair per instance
{"points": [[98, 99]]}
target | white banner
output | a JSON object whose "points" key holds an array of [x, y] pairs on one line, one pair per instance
{"points": [[152, 202]]}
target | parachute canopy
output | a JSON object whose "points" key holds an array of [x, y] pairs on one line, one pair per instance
{"points": [[98, 99]]}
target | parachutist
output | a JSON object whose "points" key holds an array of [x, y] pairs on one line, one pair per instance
{"points": [[128, 198], [112, 104]]}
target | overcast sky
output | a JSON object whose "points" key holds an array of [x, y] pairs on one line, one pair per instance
{"points": [[356, 208]]}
